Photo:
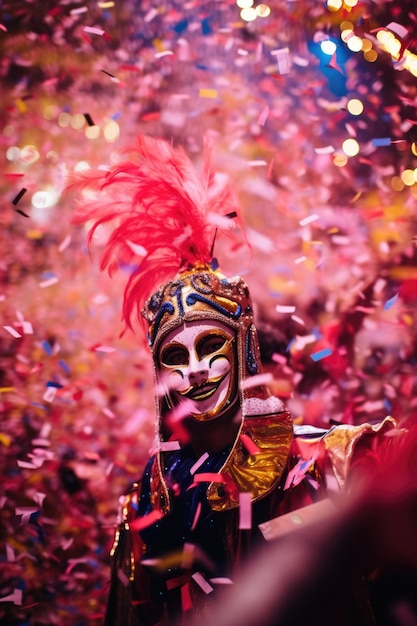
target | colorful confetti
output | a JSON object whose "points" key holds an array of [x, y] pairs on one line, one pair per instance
{"points": [[331, 234]]}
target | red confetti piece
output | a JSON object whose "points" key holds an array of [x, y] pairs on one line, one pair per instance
{"points": [[186, 601], [209, 477]]}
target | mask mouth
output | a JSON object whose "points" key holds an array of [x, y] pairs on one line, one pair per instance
{"points": [[205, 390]]}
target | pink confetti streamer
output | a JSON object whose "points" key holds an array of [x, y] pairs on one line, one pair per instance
{"points": [[122, 577], [249, 444], [169, 446], [147, 520], [245, 511], [196, 516], [202, 582], [260, 379], [199, 463], [263, 116], [15, 597]]}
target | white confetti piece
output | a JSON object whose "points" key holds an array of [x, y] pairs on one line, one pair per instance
{"points": [[325, 150], [309, 219], [65, 243], [48, 282], [282, 308], [164, 53], [283, 59], [12, 331], [92, 30], [298, 320]]}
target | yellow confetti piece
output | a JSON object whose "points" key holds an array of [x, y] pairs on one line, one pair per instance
{"points": [[403, 273], [6, 389], [34, 234], [159, 45], [208, 93], [5, 439], [21, 105], [408, 319]]}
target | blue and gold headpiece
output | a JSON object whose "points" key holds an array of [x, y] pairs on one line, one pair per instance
{"points": [[200, 293]]}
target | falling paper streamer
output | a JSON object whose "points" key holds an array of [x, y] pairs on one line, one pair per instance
{"points": [[199, 462], [12, 331], [15, 597], [202, 582], [245, 511], [169, 446], [321, 354], [249, 444], [390, 303], [147, 520], [283, 60]]}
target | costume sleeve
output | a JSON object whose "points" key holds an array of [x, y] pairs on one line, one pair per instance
{"points": [[129, 600]]}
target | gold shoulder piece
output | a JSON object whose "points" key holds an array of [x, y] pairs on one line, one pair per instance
{"points": [[340, 443]]}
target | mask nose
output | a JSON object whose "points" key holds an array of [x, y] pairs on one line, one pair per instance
{"points": [[198, 377]]}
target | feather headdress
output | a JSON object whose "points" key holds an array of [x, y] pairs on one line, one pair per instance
{"points": [[164, 215]]}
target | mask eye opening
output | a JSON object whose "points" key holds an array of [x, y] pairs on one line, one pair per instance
{"points": [[174, 355], [210, 344]]}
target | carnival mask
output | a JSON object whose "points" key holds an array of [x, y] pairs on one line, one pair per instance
{"points": [[197, 366]]}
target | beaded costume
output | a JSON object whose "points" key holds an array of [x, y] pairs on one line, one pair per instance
{"points": [[182, 532]]}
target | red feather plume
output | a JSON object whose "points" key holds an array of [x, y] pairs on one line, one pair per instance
{"points": [[157, 205]]}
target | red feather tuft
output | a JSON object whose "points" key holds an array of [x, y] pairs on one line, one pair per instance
{"points": [[158, 206]]}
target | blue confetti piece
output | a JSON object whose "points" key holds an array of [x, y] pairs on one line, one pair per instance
{"points": [[64, 366], [205, 27], [40, 406], [51, 383], [288, 348], [47, 347], [389, 303], [180, 27], [387, 405], [316, 332], [321, 354], [381, 141], [214, 264], [46, 275]]}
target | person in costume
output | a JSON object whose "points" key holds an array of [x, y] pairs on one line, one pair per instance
{"points": [[230, 468]]}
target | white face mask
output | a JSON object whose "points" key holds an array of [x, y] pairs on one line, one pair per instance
{"points": [[197, 365]]}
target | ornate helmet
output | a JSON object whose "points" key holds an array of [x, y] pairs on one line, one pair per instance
{"points": [[164, 218]]}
